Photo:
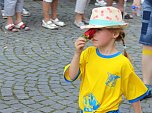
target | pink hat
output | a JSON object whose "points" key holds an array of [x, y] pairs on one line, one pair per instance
{"points": [[108, 17]]}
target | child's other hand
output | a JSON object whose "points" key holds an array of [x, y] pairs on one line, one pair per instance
{"points": [[79, 44]]}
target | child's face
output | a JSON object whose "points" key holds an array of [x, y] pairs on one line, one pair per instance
{"points": [[103, 37]]}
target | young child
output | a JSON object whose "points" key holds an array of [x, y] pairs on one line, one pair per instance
{"points": [[104, 72]]}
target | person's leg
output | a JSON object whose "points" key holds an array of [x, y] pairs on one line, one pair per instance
{"points": [[2, 4], [79, 9], [54, 6], [121, 5], [146, 41], [46, 8], [46, 22], [147, 69], [19, 9], [9, 11], [19, 23], [2, 9], [54, 17], [9, 8], [18, 17], [109, 2], [83, 15], [147, 64]]}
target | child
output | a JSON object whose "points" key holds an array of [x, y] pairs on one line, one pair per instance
{"points": [[11, 8], [104, 72], [51, 22]]}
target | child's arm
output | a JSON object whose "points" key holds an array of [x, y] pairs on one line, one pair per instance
{"points": [[74, 66], [137, 107]]}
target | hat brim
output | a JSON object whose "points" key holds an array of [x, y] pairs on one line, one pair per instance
{"points": [[124, 25]]}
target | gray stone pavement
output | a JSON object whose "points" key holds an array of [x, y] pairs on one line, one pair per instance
{"points": [[31, 64]]}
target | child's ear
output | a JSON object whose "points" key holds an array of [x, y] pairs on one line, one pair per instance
{"points": [[115, 35]]}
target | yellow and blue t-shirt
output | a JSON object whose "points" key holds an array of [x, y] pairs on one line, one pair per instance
{"points": [[104, 79]]}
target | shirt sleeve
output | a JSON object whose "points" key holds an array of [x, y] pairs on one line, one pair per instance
{"points": [[132, 86], [82, 63]]}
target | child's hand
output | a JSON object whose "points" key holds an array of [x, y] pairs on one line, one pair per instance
{"points": [[79, 44]]}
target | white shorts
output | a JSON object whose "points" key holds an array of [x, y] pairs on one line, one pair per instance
{"points": [[48, 1]]}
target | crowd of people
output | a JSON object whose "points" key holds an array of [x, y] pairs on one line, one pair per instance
{"points": [[10, 8]]}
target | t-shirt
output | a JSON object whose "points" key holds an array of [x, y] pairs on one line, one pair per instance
{"points": [[104, 79]]}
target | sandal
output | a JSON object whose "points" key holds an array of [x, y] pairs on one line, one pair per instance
{"points": [[22, 25], [25, 13], [127, 16], [11, 27]]}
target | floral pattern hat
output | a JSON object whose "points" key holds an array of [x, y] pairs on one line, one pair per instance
{"points": [[107, 17]]}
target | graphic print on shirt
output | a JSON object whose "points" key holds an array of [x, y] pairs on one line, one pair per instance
{"points": [[90, 103], [111, 81]]}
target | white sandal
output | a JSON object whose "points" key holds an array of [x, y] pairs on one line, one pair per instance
{"points": [[49, 25], [58, 22], [22, 25], [11, 27]]}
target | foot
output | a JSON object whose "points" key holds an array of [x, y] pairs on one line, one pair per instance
{"points": [[58, 22], [101, 3], [127, 16], [25, 13], [3, 15], [11, 27], [85, 20], [49, 24], [21, 26], [78, 24]]}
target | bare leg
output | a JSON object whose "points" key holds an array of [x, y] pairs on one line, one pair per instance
{"points": [[54, 6], [80, 9], [147, 66], [78, 17], [121, 5], [83, 15], [18, 17], [46, 8], [9, 20], [109, 2]]}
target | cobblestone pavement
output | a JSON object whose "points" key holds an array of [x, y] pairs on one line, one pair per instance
{"points": [[31, 64]]}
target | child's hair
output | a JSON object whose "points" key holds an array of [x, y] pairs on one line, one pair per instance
{"points": [[121, 38]]}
